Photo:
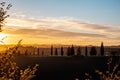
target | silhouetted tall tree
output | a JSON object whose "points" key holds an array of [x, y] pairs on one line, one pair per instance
{"points": [[72, 51], [62, 51], [86, 51], [93, 51], [102, 49], [56, 51], [68, 51], [38, 51], [51, 50], [79, 51]]}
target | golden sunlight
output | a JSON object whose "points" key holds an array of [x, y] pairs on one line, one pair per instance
{"points": [[2, 37]]}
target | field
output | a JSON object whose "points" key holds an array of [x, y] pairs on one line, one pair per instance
{"points": [[66, 68]]}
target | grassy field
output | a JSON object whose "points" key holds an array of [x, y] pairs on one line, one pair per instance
{"points": [[66, 68]]}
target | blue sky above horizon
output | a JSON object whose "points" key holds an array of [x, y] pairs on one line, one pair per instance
{"points": [[97, 11], [58, 21]]}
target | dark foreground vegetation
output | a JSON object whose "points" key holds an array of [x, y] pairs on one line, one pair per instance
{"points": [[68, 68]]}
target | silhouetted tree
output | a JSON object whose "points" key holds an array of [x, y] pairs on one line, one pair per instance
{"points": [[51, 50], [78, 51], [86, 51], [26, 52], [102, 49], [68, 51], [72, 51], [56, 51], [3, 13], [62, 51], [93, 51]]}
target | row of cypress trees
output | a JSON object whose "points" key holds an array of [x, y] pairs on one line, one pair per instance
{"points": [[56, 51], [71, 51]]}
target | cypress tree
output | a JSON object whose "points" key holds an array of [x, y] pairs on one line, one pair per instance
{"points": [[93, 51], [56, 51], [78, 51], [26, 52], [51, 50], [62, 52], [68, 51], [86, 51], [102, 49], [72, 51]]}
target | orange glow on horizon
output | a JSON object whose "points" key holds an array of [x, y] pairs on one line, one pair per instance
{"points": [[61, 41], [56, 31]]}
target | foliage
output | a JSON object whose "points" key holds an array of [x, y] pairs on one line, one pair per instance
{"points": [[70, 51], [111, 73], [56, 51], [86, 51], [3, 13], [26, 52], [9, 70], [93, 51], [79, 51], [102, 49], [62, 51], [114, 75], [51, 50]]}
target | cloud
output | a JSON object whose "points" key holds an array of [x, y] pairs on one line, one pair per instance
{"points": [[61, 27], [48, 32], [97, 27]]}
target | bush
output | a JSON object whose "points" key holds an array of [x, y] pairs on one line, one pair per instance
{"points": [[111, 73], [9, 70]]}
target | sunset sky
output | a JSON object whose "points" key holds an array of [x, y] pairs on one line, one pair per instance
{"points": [[79, 22]]}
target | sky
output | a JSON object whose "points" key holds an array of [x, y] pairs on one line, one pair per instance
{"points": [[79, 22]]}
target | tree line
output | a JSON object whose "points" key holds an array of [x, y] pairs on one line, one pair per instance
{"points": [[70, 51]]}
